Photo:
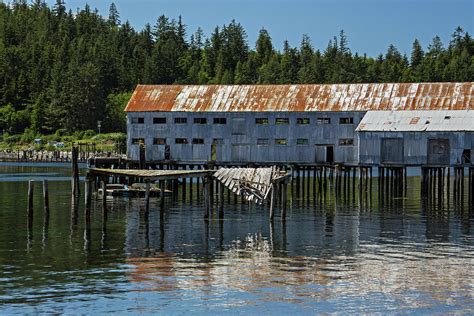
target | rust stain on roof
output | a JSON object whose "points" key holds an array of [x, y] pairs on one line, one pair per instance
{"points": [[301, 98]]}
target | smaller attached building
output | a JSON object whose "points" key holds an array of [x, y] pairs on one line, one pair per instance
{"points": [[416, 137]]}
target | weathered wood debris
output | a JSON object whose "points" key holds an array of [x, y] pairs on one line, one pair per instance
{"points": [[254, 184]]}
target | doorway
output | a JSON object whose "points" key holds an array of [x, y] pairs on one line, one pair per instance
{"points": [[392, 150], [167, 152], [324, 154], [438, 151]]}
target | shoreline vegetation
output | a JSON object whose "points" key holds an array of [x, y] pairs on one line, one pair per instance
{"points": [[63, 73], [61, 141]]}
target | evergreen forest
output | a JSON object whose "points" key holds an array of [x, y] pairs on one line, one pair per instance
{"points": [[65, 70]]}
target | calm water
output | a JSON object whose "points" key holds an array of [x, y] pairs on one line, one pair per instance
{"points": [[335, 256]]}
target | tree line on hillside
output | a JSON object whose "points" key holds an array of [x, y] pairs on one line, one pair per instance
{"points": [[68, 70]]}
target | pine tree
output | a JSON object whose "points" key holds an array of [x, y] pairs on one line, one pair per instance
{"points": [[264, 47], [416, 54], [114, 17]]}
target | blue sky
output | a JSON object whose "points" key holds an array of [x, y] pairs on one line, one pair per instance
{"points": [[371, 25]]}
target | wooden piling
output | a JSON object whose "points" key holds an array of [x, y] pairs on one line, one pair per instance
{"points": [[46, 197], [221, 200], [75, 172], [284, 197], [142, 156], [183, 189], [103, 186], [162, 194], [272, 202], [147, 196]]}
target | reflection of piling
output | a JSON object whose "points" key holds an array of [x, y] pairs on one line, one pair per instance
{"points": [[471, 187], [284, 198], [46, 197], [206, 191], [88, 192], [30, 204]]}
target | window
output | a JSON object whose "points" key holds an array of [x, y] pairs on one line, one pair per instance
{"points": [[239, 126], [218, 141], [302, 141], [159, 120], [346, 141], [198, 141], [262, 141], [282, 121], [346, 120], [323, 120], [281, 141], [220, 120], [138, 120], [261, 121], [159, 141], [302, 120], [181, 141], [200, 120], [180, 120], [136, 141]]}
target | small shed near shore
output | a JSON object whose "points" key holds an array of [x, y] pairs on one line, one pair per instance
{"points": [[416, 137]]}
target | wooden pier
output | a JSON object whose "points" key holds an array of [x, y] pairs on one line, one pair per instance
{"points": [[252, 184]]}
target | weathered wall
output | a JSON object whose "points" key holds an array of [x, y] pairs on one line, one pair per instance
{"points": [[415, 145], [240, 135]]}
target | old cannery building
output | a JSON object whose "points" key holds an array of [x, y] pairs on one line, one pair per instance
{"points": [[273, 123], [416, 137]]}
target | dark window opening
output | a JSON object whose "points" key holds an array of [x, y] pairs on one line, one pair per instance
{"points": [[346, 120], [181, 140], [261, 121], [302, 141], [218, 141], [159, 120], [323, 120], [200, 120], [346, 141], [282, 121], [198, 141], [262, 141], [466, 156], [159, 141], [303, 121], [136, 141], [281, 141], [180, 120], [220, 120], [138, 120]]}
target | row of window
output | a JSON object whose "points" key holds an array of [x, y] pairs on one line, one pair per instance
{"points": [[258, 121], [260, 141], [179, 120]]}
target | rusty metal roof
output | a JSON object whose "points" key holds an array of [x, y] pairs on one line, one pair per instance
{"points": [[300, 98], [417, 121]]}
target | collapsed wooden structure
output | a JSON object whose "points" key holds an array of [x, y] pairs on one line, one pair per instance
{"points": [[254, 184]]}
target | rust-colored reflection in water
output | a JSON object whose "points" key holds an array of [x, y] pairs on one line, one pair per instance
{"points": [[328, 256]]}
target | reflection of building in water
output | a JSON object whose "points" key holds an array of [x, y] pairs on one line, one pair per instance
{"points": [[382, 252], [416, 277]]}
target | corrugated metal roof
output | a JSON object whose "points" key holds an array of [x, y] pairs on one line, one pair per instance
{"points": [[417, 121], [300, 98]]}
